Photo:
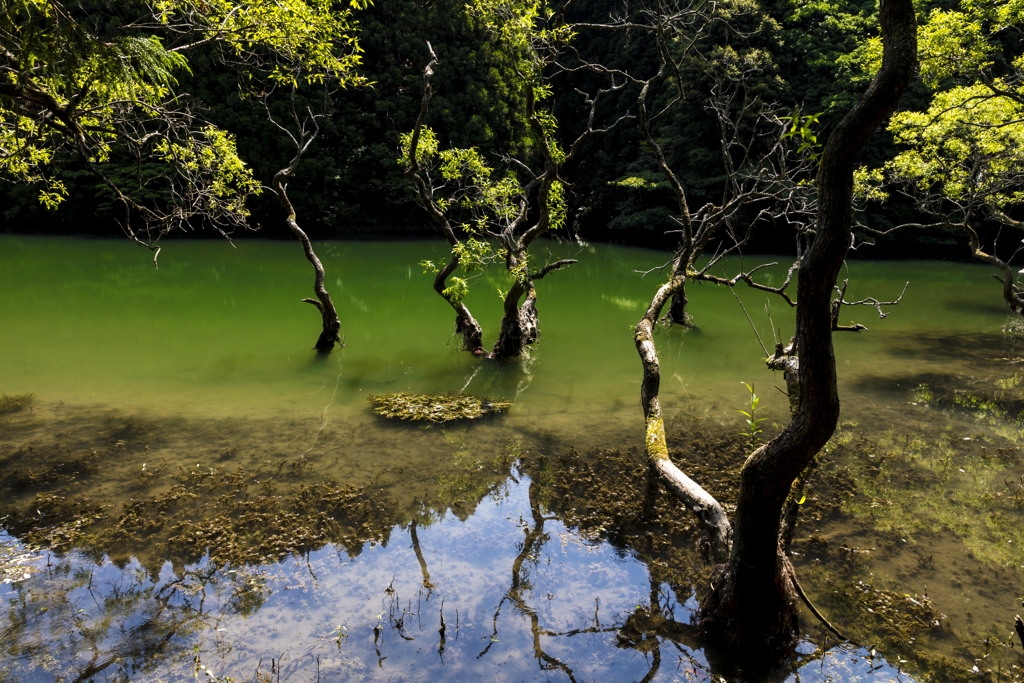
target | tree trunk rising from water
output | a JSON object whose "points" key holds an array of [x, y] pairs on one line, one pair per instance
{"points": [[751, 610], [331, 332], [753, 603], [466, 326]]}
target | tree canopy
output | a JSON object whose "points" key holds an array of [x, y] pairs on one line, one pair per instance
{"points": [[102, 85]]}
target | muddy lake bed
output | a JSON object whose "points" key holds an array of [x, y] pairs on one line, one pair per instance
{"points": [[191, 490]]}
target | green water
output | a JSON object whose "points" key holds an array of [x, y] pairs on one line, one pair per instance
{"points": [[175, 394]]}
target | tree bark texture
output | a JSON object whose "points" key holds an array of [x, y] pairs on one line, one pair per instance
{"points": [[752, 605], [466, 326], [677, 308], [519, 324]]}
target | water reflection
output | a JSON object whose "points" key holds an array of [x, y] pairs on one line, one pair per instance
{"points": [[542, 603]]}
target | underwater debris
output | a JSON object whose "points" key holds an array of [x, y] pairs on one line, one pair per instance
{"points": [[434, 407], [12, 403]]}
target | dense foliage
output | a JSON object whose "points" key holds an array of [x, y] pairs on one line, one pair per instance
{"points": [[816, 56]]}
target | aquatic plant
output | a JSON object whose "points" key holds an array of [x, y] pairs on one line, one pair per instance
{"points": [[923, 395], [753, 429], [12, 403], [434, 407]]}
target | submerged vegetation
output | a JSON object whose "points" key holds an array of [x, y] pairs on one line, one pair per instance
{"points": [[434, 407], [16, 560], [888, 515], [10, 403]]}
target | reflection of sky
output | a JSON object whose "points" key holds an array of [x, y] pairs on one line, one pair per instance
{"points": [[77, 612]]}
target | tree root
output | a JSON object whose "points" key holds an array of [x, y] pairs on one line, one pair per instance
{"points": [[814, 610]]}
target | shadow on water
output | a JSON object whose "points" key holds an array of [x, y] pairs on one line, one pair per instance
{"points": [[965, 348], [974, 307]]}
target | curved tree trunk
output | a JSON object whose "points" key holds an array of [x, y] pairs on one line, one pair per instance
{"points": [[466, 325], [752, 605], [699, 501], [331, 332]]}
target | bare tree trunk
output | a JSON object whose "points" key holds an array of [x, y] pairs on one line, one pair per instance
{"points": [[330, 335], [753, 602]]}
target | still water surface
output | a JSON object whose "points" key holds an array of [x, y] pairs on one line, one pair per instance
{"points": [[193, 487]]}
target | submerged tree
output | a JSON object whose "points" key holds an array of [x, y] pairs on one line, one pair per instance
{"points": [[503, 211], [751, 608], [302, 133], [330, 73], [762, 178], [104, 89]]}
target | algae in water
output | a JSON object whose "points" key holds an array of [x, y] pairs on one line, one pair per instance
{"points": [[12, 403], [434, 407]]}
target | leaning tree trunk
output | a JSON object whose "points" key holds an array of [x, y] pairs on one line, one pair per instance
{"points": [[752, 605], [466, 325], [331, 333], [700, 502]]}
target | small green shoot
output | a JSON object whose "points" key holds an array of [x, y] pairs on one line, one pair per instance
{"points": [[753, 429]]}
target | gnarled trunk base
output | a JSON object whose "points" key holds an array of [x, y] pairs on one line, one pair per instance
{"points": [[331, 333], [470, 331], [518, 327]]}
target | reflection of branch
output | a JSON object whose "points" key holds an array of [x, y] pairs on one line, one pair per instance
{"points": [[532, 545], [427, 583]]}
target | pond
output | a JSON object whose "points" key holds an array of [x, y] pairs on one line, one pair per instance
{"points": [[191, 490]]}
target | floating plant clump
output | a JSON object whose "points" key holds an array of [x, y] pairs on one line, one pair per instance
{"points": [[434, 407]]}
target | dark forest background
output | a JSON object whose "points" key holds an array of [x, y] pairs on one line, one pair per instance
{"points": [[351, 184]]}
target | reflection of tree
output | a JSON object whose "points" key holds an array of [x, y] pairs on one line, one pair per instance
{"points": [[68, 624], [237, 503], [427, 583], [530, 550]]}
